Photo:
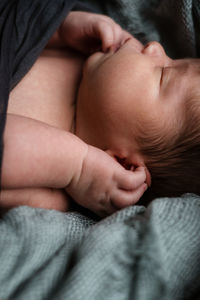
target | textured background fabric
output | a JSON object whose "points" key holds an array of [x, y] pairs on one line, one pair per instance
{"points": [[173, 23], [25, 28], [137, 253]]}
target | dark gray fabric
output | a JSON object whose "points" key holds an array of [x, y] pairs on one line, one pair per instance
{"points": [[25, 28]]}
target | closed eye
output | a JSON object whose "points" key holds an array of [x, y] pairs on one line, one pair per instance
{"points": [[161, 75]]}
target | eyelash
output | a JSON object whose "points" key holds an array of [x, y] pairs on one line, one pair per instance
{"points": [[161, 76]]}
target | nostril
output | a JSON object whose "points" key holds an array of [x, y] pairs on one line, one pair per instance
{"points": [[154, 49], [150, 48]]}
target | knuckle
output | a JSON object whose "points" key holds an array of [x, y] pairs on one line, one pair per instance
{"points": [[106, 18], [103, 24], [118, 27]]}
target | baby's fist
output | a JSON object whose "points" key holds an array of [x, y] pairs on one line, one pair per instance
{"points": [[89, 32], [104, 186]]}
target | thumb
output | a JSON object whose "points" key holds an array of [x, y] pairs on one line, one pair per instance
{"points": [[104, 32]]}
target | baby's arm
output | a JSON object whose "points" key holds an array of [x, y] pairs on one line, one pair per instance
{"points": [[37, 155], [47, 198], [43, 158], [104, 186], [23, 138]]}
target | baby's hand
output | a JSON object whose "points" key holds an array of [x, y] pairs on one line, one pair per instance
{"points": [[89, 32], [104, 186]]}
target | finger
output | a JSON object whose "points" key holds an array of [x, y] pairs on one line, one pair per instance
{"points": [[118, 36], [130, 180], [126, 35], [123, 199], [35, 197], [105, 33]]}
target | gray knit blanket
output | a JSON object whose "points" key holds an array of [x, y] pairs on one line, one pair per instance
{"points": [[137, 253]]}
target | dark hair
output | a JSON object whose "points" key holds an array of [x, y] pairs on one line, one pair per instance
{"points": [[173, 159]]}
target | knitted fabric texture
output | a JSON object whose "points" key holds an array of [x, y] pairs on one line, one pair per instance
{"points": [[137, 253]]}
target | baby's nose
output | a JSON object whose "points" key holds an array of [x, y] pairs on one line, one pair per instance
{"points": [[154, 49]]}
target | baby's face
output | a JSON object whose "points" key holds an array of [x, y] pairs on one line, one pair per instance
{"points": [[134, 86]]}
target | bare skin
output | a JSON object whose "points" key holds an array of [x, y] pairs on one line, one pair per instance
{"points": [[47, 94]]}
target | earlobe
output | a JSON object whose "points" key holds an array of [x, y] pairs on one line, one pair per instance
{"points": [[121, 159], [125, 164], [138, 161], [131, 162]]}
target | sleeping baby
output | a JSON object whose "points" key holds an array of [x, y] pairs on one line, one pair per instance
{"points": [[95, 116]]}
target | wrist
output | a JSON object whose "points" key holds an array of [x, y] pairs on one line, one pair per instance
{"points": [[78, 156]]}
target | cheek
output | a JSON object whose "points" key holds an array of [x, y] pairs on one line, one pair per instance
{"points": [[89, 121], [112, 100], [106, 101]]}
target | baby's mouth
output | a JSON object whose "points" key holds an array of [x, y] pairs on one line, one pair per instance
{"points": [[100, 56], [115, 48]]}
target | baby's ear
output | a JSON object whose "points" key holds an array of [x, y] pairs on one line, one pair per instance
{"points": [[137, 160], [121, 159], [131, 162], [125, 164]]}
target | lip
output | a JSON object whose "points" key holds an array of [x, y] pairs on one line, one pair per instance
{"points": [[96, 58], [134, 44], [97, 55]]}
